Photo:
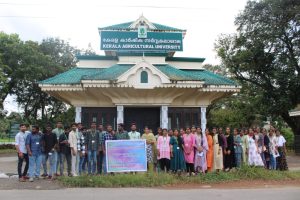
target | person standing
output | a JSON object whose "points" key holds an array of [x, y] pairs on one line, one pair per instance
{"points": [[20, 144], [49, 144], [238, 149], [82, 152], [224, 145], [189, 153], [109, 135], [260, 144], [177, 157], [281, 159], [79, 147], [245, 146], [122, 134], [100, 155], [34, 149], [218, 151], [133, 134], [254, 158], [266, 148], [73, 146], [210, 152], [92, 147], [273, 149], [58, 131], [229, 151], [163, 151], [201, 148], [65, 151], [150, 143]]}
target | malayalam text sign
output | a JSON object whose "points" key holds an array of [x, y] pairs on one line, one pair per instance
{"points": [[129, 41], [126, 155]]}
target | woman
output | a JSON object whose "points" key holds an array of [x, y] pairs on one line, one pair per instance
{"points": [[266, 148], [245, 146], [218, 152], [273, 149], [201, 148], [150, 141], [177, 157], [281, 159], [189, 153], [254, 158], [210, 152], [170, 133], [229, 151], [163, 151], [238, 150]]}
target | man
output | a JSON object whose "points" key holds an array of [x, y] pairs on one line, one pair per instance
{"points": [[100, 154], [65, 151], [92, 147], [107, 136], [79, 147], [133, 134], [49, 144], [58, 131], [281, 159], [20, 141], [33, 146], [73, 146], [122, 134]]}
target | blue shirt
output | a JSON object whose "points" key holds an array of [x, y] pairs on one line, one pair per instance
{"points": [[34, 142]]}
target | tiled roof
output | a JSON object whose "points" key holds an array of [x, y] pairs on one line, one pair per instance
{"points": [[111, 73], [72, 76], [75, 75], [127, 24]]}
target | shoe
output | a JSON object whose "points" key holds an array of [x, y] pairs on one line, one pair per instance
{"points": [[75, 175], [58, 174], [30, 179], [44, 175], [26, 177], [22, 179], [37, 177], [49, 177]]}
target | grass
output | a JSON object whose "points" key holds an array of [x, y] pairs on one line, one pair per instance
{"points": [[163, 179], [6, 151], [7, 140]]}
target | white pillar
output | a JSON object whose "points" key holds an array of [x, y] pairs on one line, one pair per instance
{"points": [[120, 114], [203, 119], [77, 114], [164, 116]]}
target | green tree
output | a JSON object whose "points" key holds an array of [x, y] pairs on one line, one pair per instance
{"points": [[264, 55]]}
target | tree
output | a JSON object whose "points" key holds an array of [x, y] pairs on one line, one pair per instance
{"points": [[23, 64], [264, 55]]}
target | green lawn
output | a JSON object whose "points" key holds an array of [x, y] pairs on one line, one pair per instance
{"points": [[162, 179], [6, 140]]}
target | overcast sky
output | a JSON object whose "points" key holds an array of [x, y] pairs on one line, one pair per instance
{"points": [[77, 21]]}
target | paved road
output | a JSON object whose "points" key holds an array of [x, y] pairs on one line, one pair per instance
{"points": [[288, 193]]}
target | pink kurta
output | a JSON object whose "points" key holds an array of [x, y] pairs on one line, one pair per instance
{"points": [[189, 144], [163, 146]]}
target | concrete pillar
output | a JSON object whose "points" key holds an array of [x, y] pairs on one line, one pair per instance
{"points": [[120, 114], [203, 119], [78, 114], [164, 116]]}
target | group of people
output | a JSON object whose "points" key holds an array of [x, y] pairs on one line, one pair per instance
{"points": [[186, 150]]}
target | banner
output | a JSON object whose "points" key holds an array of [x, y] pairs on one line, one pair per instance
{"points": [[126, 155], [129, 41]]}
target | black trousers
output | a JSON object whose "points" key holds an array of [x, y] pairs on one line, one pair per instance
{"points": [[164, 164], [190, 167], [20, 164], [100, 162]]}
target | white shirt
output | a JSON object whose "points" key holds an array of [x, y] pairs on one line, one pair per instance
{"points": [[280, 141], [273, 144], [134, 135], [20, 141]]}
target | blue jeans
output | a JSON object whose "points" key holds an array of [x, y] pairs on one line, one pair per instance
{"points": [[272, 162], [238, 159], [44, 163], [35, 162], [81, 161], [92, 161], [52, 161], [59, 162]]}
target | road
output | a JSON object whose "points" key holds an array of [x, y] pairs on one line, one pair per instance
{"points": [[287, 193]]}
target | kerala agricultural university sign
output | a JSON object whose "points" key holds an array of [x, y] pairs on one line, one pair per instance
{"points": [[129, 41]]}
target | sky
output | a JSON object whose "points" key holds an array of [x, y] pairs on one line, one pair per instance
{"points": [[78, 21]]}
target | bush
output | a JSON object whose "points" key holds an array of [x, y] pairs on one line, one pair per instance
{"points": [[289, 136], [7, 146]]}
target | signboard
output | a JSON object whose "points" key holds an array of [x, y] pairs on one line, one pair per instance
{"points": [[126, 155], [130, 41]]}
